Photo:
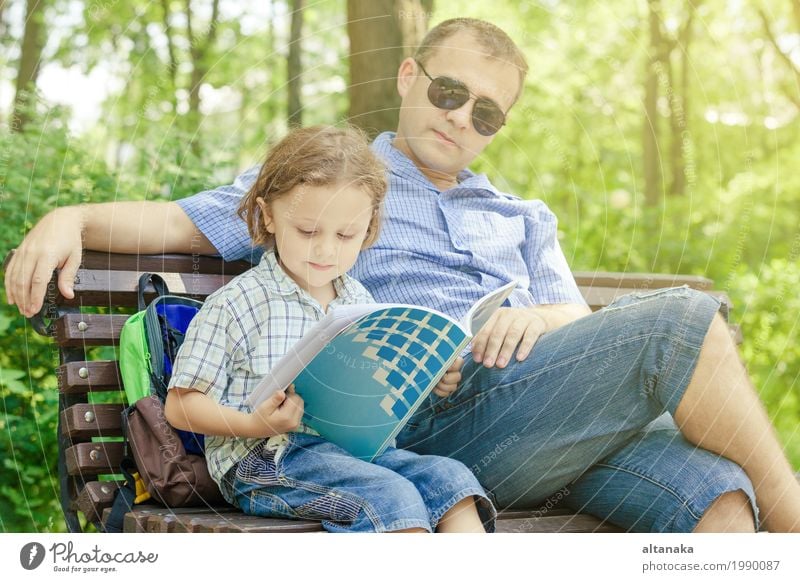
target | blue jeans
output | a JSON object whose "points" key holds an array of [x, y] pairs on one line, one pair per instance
{"points": [[576, 418], [301, 476]]}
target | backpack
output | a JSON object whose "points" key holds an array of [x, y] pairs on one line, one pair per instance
{"points": [[171, 462]]}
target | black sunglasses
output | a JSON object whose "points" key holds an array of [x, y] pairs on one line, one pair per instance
{"points": [[450, 94]]}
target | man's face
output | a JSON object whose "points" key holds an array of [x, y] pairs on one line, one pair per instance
{"points": [[441, 142]]}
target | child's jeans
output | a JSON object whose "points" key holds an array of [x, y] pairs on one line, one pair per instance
{"points": [[304, 476]]}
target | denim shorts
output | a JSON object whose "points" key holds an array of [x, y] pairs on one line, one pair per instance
{"points": [[578, 417], [301, 476]]}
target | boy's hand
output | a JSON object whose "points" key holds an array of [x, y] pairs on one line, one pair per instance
{"points": [[509, 329], [280, 413], [449, 382]]}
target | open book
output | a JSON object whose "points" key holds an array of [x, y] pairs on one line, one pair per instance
{"points": [[363, 370]]}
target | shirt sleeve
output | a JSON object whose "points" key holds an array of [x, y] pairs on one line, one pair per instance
{"points": [[362, 295], [550, 276], [357, 293], [214, 213], [204, 360]]}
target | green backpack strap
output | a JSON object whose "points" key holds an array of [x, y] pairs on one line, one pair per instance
{"points": [[135, 359]]}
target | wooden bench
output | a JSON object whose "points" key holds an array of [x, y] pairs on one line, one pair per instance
{"points": [[91, 399]]}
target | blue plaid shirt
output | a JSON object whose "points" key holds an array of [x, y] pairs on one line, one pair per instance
{"points": [[441, 249]]}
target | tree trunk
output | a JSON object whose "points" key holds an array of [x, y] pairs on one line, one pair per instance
{"points": [[677, 123], [650, 153], [382, 33], [195, 52], [271, 106], [198, 49], [295, 66], [29, 63], [682, 145], [173, 61]]}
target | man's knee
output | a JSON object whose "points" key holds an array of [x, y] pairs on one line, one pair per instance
{"points": [[668, 312], [719, 337], [730, 512]]}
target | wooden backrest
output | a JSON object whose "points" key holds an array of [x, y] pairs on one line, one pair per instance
{"points": [[86, 330]]}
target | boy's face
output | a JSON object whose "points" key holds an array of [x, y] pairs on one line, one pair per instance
{"points": [[318, 233], [444, 142]]}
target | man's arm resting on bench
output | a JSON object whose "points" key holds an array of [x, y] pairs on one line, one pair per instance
{"points": [[57, 240]]}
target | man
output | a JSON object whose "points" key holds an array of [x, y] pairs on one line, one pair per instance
{"points": [[554, 399]]}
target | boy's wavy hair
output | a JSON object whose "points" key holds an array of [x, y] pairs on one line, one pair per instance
{"points": [[320, 155]]}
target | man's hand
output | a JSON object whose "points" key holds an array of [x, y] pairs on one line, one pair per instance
{"points": [[111, 227], [54, 243], [449, 382], [519, 328], [280, 413], [509, 329]]}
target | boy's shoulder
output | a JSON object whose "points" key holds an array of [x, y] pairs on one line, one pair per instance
{"points": [[356, 292], [238, 293]]}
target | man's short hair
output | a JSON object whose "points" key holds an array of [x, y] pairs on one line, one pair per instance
{"points": [[491, 38]]}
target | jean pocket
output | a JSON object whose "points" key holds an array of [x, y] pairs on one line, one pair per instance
{"points": [[331, 506], [265, 504]]}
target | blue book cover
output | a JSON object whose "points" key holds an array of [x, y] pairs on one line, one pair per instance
{"points": [[363, 370]]}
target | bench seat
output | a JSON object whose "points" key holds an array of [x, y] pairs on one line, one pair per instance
{"points": [[91, 398], [154, 518]]}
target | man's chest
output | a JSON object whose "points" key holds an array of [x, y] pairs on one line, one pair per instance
{"points": [[453, 222]]}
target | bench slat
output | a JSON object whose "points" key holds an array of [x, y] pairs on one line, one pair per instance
{"points": [[173, 263], [180, 521], [149, 517], [119, 288], [83, 377], [96, 497], [599, 297], [640, 280], [240, 523], [88, 329], [575, 523], [153, 518], [94, 458], [83, 421]]}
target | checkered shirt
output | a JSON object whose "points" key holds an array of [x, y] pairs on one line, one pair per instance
{"points": [[241, 332]]}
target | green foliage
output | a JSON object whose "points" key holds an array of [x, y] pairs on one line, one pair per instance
{"points": [[574, 140], [769, 311], [41, 169]]}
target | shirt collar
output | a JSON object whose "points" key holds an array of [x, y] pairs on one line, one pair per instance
{"points": [[277, 280], [400, 165]]}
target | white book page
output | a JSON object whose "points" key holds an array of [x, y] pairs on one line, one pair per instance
{"points": [[482, 310], [315, 339], [299, 355]]}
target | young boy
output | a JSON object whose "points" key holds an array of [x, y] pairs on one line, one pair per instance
{"points": [[315, 205]]}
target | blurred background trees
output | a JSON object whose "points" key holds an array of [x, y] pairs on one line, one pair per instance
{"points": [[663, 133]]}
